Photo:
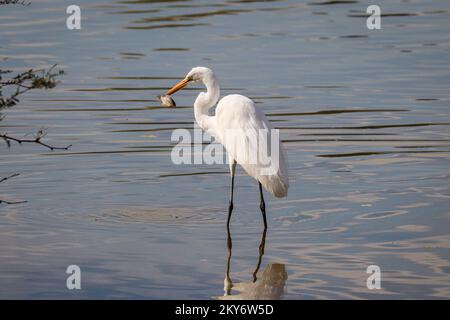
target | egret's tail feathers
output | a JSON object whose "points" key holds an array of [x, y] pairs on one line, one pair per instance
{"points": [[277, 184]]}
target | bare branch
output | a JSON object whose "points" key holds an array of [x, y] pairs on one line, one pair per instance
{"points": [[18, 84], [37, 140], [9, 177], [12, 202]]}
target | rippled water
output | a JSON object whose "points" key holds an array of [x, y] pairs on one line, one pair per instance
{"points": [[364, 116]]}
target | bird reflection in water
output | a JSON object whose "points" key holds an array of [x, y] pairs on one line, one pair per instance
{"points": [[270, 286]]}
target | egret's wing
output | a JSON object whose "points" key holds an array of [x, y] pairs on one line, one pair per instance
{"points": [[251, 141]]}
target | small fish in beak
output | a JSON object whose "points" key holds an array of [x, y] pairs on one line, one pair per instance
{"points": [[167, 101]]}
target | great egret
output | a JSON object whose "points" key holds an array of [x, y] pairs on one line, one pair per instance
{"points": [[236, 115]]}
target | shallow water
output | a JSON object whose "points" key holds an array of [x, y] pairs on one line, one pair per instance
{"points": [[364, 116]]}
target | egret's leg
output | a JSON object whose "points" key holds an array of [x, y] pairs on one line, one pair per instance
{"points": [[262, 205], [228, 283], [230, 207]]}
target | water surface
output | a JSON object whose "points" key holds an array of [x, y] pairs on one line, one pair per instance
{"points": [[364, 116]]}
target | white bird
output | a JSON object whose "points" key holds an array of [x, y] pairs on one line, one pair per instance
{"points": [[244, 131]]}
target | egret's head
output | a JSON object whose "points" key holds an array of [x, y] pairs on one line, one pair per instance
{"points": [[199, 74], [195, 75]]}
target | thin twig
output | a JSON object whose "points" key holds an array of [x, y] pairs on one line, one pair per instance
{"points": [[37, 140], [12, 202], [9, 177]]}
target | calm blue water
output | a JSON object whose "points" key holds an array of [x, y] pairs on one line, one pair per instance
{"points": [[364, 116]]}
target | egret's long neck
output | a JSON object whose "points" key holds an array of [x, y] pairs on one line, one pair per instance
{"points": [[205, 101]]}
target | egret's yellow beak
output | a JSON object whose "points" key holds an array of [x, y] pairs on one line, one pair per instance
{"points": [[180, 85]]}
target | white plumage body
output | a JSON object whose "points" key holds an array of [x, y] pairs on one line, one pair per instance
{"points": [[237, 115]]}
